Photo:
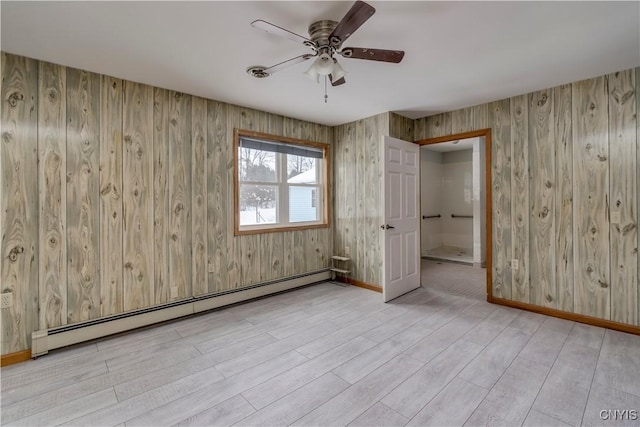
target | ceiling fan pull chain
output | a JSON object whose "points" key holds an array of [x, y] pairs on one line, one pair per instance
{"points": [[325, 90]]}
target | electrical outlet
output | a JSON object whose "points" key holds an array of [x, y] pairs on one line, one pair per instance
{"points": [[174, 292], [7, 300], [347, 250], [615, 217], [514, 264]]}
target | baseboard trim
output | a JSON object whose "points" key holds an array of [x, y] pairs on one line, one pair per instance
{"points": [[580, 318], [13, 358], [48, 339], [360, 284]]}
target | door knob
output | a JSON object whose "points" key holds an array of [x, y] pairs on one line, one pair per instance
{"points": [[388, 227]]}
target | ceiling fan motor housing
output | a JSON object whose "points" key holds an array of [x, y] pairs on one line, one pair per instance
{"points": [[320, 31]]}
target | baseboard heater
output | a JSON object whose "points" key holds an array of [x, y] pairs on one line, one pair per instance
{"points": [[48, 339]]}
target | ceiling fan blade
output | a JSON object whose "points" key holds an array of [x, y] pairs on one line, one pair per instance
{"points": [[281, 32], [359, 13], [383, 55], [289, 62], [338, 82]]}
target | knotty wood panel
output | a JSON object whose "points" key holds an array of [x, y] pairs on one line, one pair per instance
{"points": [[233, 244], [500, 117], [351, 196], [624, 197], [180, 193], [542, 191], [311, 256], [111, 286], [298, 252], [462, 120], [359, 262], [52, 189], [137, 165], [162, 283], [480, 116], [373, 211], [323, 247], [199, 195], [250, 258], [217, 193], [18, 201], [637, 95], [401, 127], [438, 125], [520, 197], [83, 137], [287, 250], [564, 197], [591, 196], [271, 256], [338, 196]]}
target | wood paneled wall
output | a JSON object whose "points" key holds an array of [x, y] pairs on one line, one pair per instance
{"points": [[117, 196], [565, 161], [357, 181], [357, 190]]}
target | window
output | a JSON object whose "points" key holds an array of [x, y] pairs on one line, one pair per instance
{"points": [[281, 183]]}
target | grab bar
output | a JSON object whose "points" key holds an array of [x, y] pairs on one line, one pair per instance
{"points": [[461, 216], [430, 216]]}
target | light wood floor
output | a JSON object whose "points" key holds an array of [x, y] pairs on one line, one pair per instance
{"points": [[332, 355], [455, 279]]}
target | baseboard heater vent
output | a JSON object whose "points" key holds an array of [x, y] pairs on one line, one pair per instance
{"points": [[48, 339]]}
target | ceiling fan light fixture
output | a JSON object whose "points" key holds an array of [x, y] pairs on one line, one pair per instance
{"points": [[312, 73], [338, 72], [324, 64]]}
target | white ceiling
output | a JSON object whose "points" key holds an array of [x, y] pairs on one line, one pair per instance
{"points": [[458, 54], [457, 145]]}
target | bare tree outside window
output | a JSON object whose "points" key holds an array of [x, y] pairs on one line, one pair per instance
{"points": [[299, 164], [259, 167]]}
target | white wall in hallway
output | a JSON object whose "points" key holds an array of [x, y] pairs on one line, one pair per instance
{"points": [[479, 203], [431, 193], [457, 199]]}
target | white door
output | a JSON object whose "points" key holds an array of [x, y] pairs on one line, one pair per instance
{"points": [[401, 218]]}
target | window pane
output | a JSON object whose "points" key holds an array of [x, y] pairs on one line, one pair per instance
{"points": [[258, 204], [257, 165], [302, 170], [302, 204]]}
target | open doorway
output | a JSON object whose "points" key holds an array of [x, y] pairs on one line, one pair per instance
{"points": [[455, 197]]}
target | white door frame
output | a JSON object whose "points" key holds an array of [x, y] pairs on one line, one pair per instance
{"points": [[486, 133]]}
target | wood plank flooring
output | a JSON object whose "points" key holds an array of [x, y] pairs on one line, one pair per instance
{"points": [[333, 355]]}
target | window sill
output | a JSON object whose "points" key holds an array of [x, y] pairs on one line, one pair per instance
{"points": [[277, 229]]}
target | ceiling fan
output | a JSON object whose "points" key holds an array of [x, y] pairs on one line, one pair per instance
{"points": [[325, 40]]}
